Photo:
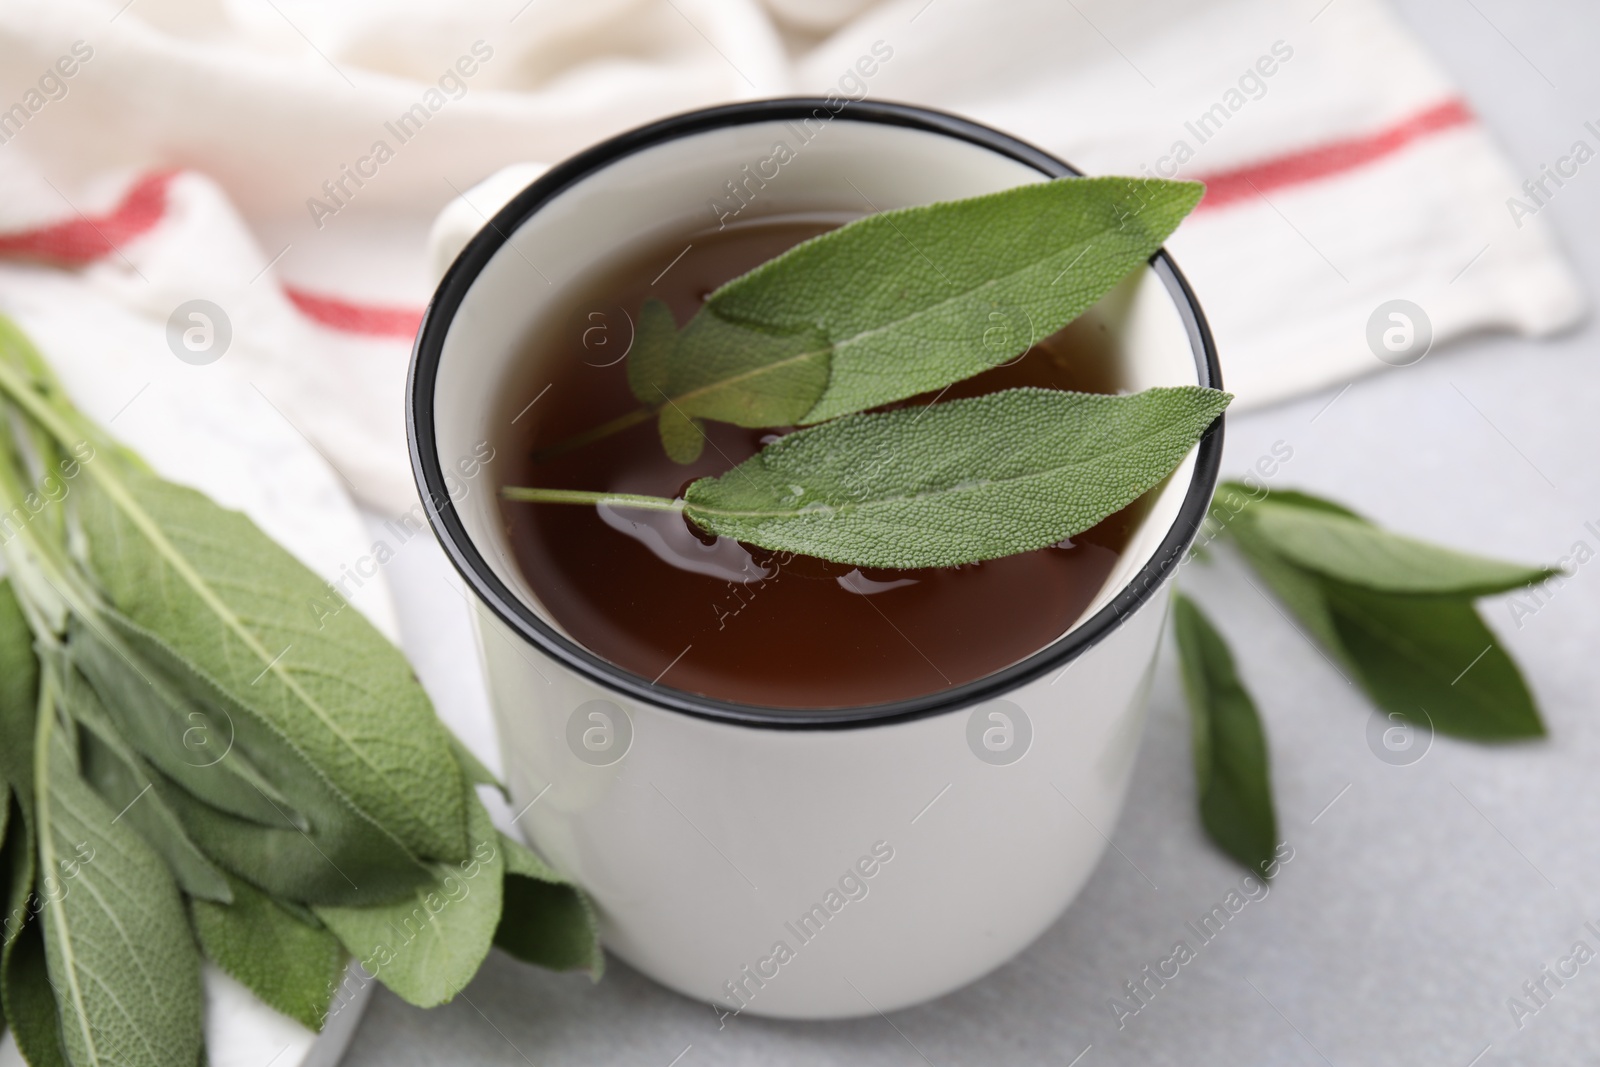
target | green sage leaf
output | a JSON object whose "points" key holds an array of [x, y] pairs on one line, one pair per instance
{"points": [[173, 733], [1433, 655], [472, 767], [1244, 495], [123, 781], [19, 693], [336, 854], [300, 864], [682, 436], [207, 580], [27, 997], [1230, 747], [291, 965], [30, 1003], [1355, 551], [906, 298], [1300, 591], [427, 946], [5, 828], [546, 920], [26, 1003], [33, 372], [650, 358], [956, 482], [898, 303], [117, 943], [745, 373], [124, 786], [1415, 649]]}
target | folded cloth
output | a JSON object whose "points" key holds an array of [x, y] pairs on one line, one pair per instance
{"points": [[283, 161]]}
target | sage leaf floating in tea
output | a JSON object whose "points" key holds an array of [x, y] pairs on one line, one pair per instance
{"points": [[947, 483], [747, 374], [892, 305], [956, 482]]}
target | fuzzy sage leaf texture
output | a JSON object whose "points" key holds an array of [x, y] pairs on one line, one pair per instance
{"points": [[290, 963], [167, 727], [907, 298], [117, 943], [430, 943], [944, 484], [19, 693], [1230, 747], [958, 482], [544, 920], [1395, 613], [26, 999], [324, 851], [125, 783], [744, 373], [207, 580], [30, 1005], [895, 304]]}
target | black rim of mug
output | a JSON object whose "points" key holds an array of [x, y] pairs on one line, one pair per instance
{"points": [[452, 535]]}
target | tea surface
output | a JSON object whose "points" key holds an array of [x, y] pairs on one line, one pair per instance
{"points": [[651, 594]]}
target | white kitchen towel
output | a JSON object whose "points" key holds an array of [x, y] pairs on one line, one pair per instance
{"points": [[283, 161]]}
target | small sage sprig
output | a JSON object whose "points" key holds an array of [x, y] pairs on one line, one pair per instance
{"points": [[1394, 613]]}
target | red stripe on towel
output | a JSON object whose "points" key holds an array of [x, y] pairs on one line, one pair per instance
{"points": [[1332, 157], [86, 238], [373, 320]]}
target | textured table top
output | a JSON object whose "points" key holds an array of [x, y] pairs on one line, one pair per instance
{"points": [[1420, 898]]}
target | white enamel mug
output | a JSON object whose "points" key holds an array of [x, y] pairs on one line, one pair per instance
{"points": [[802, 864]]}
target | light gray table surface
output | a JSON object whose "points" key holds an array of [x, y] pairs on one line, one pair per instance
{"points": [[1420, 897]]}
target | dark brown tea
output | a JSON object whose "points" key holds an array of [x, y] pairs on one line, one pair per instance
{"points": [[652, 594]]}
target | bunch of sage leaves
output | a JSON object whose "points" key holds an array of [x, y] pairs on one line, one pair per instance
{"points": [[192, 764]]}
